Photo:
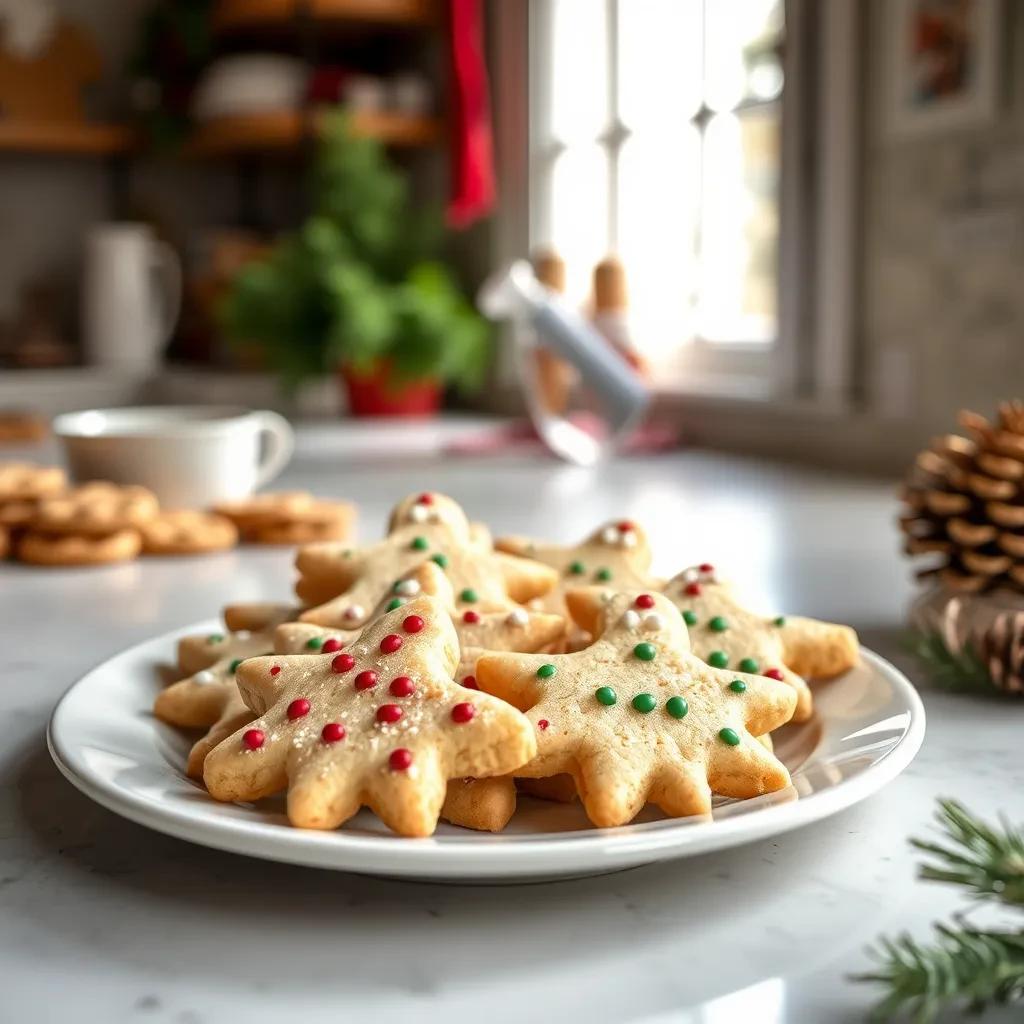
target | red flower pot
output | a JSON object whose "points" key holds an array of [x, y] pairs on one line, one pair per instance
{"points": [[373, 393]]}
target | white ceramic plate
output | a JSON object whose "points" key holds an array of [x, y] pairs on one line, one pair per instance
{"points": [[867, 727]]}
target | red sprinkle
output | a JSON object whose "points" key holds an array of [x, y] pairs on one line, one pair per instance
{"points": [[425, 499], [366, 680], [469, 682], [693, 589], [463, 713], [773, 673], [275, 670], [400, 759], [412, 624], [402, 686], [389, 713], [333, 732], [706, 567], [253, 738], [644, 601], [331, 645], [298, 708], [343, 662], [471, 617], [625, 526], [391, 642], [543, 724]]}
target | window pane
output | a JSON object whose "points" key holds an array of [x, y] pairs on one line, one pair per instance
{"points": [[579, 214], [660, 57], [658, 192], [578, 76], [741, 41], [739, 226]]}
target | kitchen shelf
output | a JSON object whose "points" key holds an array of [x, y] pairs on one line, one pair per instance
{"points": [[72, 138], [285, 130], [241, 15]]}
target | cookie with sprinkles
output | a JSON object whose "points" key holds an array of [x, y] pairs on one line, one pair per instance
{"points": [[728, 634], [425, 527], [201, 650], [617, 553], [637, 717], [380, 724]]}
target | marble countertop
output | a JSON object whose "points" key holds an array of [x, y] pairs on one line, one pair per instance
{"points": [[106, 920]]}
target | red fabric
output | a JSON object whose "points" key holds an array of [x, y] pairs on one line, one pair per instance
{"points": [[473, 186]]}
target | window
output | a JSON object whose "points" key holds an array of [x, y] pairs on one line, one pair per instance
{"points": [[656, 134]]}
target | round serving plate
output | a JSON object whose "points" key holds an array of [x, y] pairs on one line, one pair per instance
{"points": [[867, 727]]}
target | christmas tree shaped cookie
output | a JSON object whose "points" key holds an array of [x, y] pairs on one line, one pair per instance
{"points": [[637, 717], [208, 698], [727, 634], [380, 724], [427, 527]]}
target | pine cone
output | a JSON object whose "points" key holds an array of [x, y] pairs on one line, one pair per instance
{"points": [[1000, 649], [964, 504]]}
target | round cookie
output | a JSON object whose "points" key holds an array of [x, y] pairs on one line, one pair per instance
{"points": [[22, 480], [97, 508], [322, 521], [70, 549], [262, 509], [187, 532]]}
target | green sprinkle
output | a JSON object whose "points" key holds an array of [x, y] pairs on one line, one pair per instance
{"points": [[546, 671], [718, 659], [645, 651], [314, 643], [779, 620], [717, 624], [577, 568], [419, 544], [235, 664], [748, 665], [604, 575], [395, 602], [441, 560], [468, 595], [729, 736], [644, 702], [395, 586], [737, 686], [690, 618], [605, 695], [677, 707], [215, 638]]}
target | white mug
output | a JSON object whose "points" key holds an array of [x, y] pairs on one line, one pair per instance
{"points": [[189, 456], [131, 296]]}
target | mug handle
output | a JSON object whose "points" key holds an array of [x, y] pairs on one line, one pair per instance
{"points": [[280, 445]]}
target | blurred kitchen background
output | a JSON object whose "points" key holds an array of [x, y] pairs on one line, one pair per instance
{"points": [[802, 222]]}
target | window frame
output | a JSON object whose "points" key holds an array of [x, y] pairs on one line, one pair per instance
{"points": [[815, 353]]}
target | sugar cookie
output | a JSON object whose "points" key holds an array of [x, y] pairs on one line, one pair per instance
{"points": [[187, 532], [72, 550]]}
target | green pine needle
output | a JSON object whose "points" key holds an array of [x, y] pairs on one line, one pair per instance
{"points": [[965, 968], [964, 672]]}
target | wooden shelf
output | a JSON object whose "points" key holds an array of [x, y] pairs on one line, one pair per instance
{"points": [[83, 139], [276, 132], [240, 15]]}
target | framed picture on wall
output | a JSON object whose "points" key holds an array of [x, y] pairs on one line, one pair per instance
{"points": [[943, 65]]}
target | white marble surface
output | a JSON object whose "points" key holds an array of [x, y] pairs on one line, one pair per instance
{"points": [[107, 921]]}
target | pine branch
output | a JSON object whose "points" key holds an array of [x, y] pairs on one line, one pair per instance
{"points": [[990, 862], [965, 968], [964, 672]]}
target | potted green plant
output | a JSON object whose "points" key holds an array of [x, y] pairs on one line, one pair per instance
{"points": [[355, 291]]}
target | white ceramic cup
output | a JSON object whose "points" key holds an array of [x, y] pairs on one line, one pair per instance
{"points": [[189, 456]]}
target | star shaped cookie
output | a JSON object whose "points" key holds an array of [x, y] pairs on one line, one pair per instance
{"points": [[208, 698], [424, 527], [637, 717], [380, 724], [617, 553], [727, 634]]}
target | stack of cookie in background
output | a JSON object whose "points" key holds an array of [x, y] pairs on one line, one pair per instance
{"points": [[437, 674], [44, 521]]}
